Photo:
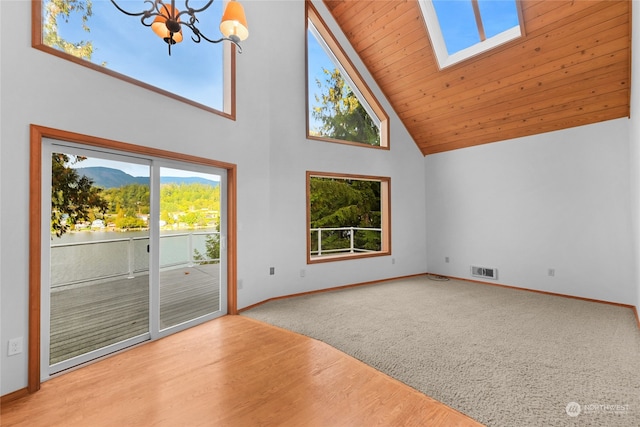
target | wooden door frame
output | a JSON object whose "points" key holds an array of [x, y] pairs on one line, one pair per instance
{"points": [[37, 133]]}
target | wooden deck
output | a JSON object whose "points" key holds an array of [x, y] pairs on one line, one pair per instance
{"points": [[91, 316], [231, 371]]}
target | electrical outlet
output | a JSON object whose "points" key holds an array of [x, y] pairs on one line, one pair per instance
{"points": [[15, 346], [272, 271], [393, 260], [552, 272], [446, 259]]}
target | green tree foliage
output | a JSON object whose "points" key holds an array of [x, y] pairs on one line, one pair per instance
{"points": [[194, 219], [183, 205], [130, 199], [73, 197], [124, 222], [127, 204], [62, 9], [212, 249], [338, 203], [186, 197], [340, 112]]}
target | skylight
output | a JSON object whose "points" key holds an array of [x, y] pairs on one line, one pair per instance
{"points": [[460, 29]]}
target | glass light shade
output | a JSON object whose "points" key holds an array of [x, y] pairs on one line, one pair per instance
{"points": [[159, 26], [234, 22]]}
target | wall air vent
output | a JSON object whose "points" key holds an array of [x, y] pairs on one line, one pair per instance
{"points": [[484, 272]]}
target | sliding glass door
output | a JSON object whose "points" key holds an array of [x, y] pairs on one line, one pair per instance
{"points": [[190, 245], [133, 249]]}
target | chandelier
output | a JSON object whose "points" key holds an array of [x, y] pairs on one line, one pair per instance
{"points": [[164, 20]]}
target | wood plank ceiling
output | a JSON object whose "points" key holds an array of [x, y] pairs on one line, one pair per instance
{"points": [[572, 68]]}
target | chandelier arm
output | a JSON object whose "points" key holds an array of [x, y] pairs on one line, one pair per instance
{"points": [[145, 13], [191, 11], [197, 37], [200, 36], [191, 23]]}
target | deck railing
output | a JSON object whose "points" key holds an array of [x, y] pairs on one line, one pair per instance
{"points": [[102, 260], [350, 232]]}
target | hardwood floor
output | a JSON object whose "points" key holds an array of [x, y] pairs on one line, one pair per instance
{"points": [[232, 371]]}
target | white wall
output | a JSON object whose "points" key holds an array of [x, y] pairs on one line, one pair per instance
{"points": [[267, 142], [558, 200], [634, 143]]}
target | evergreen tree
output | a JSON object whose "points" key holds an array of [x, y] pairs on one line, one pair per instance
{"points": [[341, 203], [212, 249], [340, 112]]}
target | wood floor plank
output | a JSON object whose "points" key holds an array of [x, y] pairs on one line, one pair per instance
{"points": [[232, 371]]}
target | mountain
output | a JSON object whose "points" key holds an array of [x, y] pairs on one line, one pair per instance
{"points": [[114, 178], [110, 178]]}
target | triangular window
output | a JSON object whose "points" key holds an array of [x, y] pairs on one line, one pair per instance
{"points": [[341, 107]]}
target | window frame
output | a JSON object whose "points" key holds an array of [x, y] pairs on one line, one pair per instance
{"points": [[229, 68], [352, 76], [444, 59], [385, 220]]}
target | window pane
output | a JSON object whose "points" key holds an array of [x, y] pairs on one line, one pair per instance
{"points": [[336, 110], [455, 34], [122, 44], [189, 245], [346, 216], [99, 266], [498, 16], [457, 23]]}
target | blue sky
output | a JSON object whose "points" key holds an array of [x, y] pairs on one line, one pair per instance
{"points": [[318, 60], [194, 70], [457, 20], [141, 170]]}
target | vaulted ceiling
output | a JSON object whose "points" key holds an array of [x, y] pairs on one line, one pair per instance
{"points": [[571, 68]]}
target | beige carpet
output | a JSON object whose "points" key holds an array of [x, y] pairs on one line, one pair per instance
{"points": [[504, 357]]}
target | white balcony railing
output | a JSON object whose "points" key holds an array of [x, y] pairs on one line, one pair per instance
{"points": [[350, 231], [102, 260]]}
